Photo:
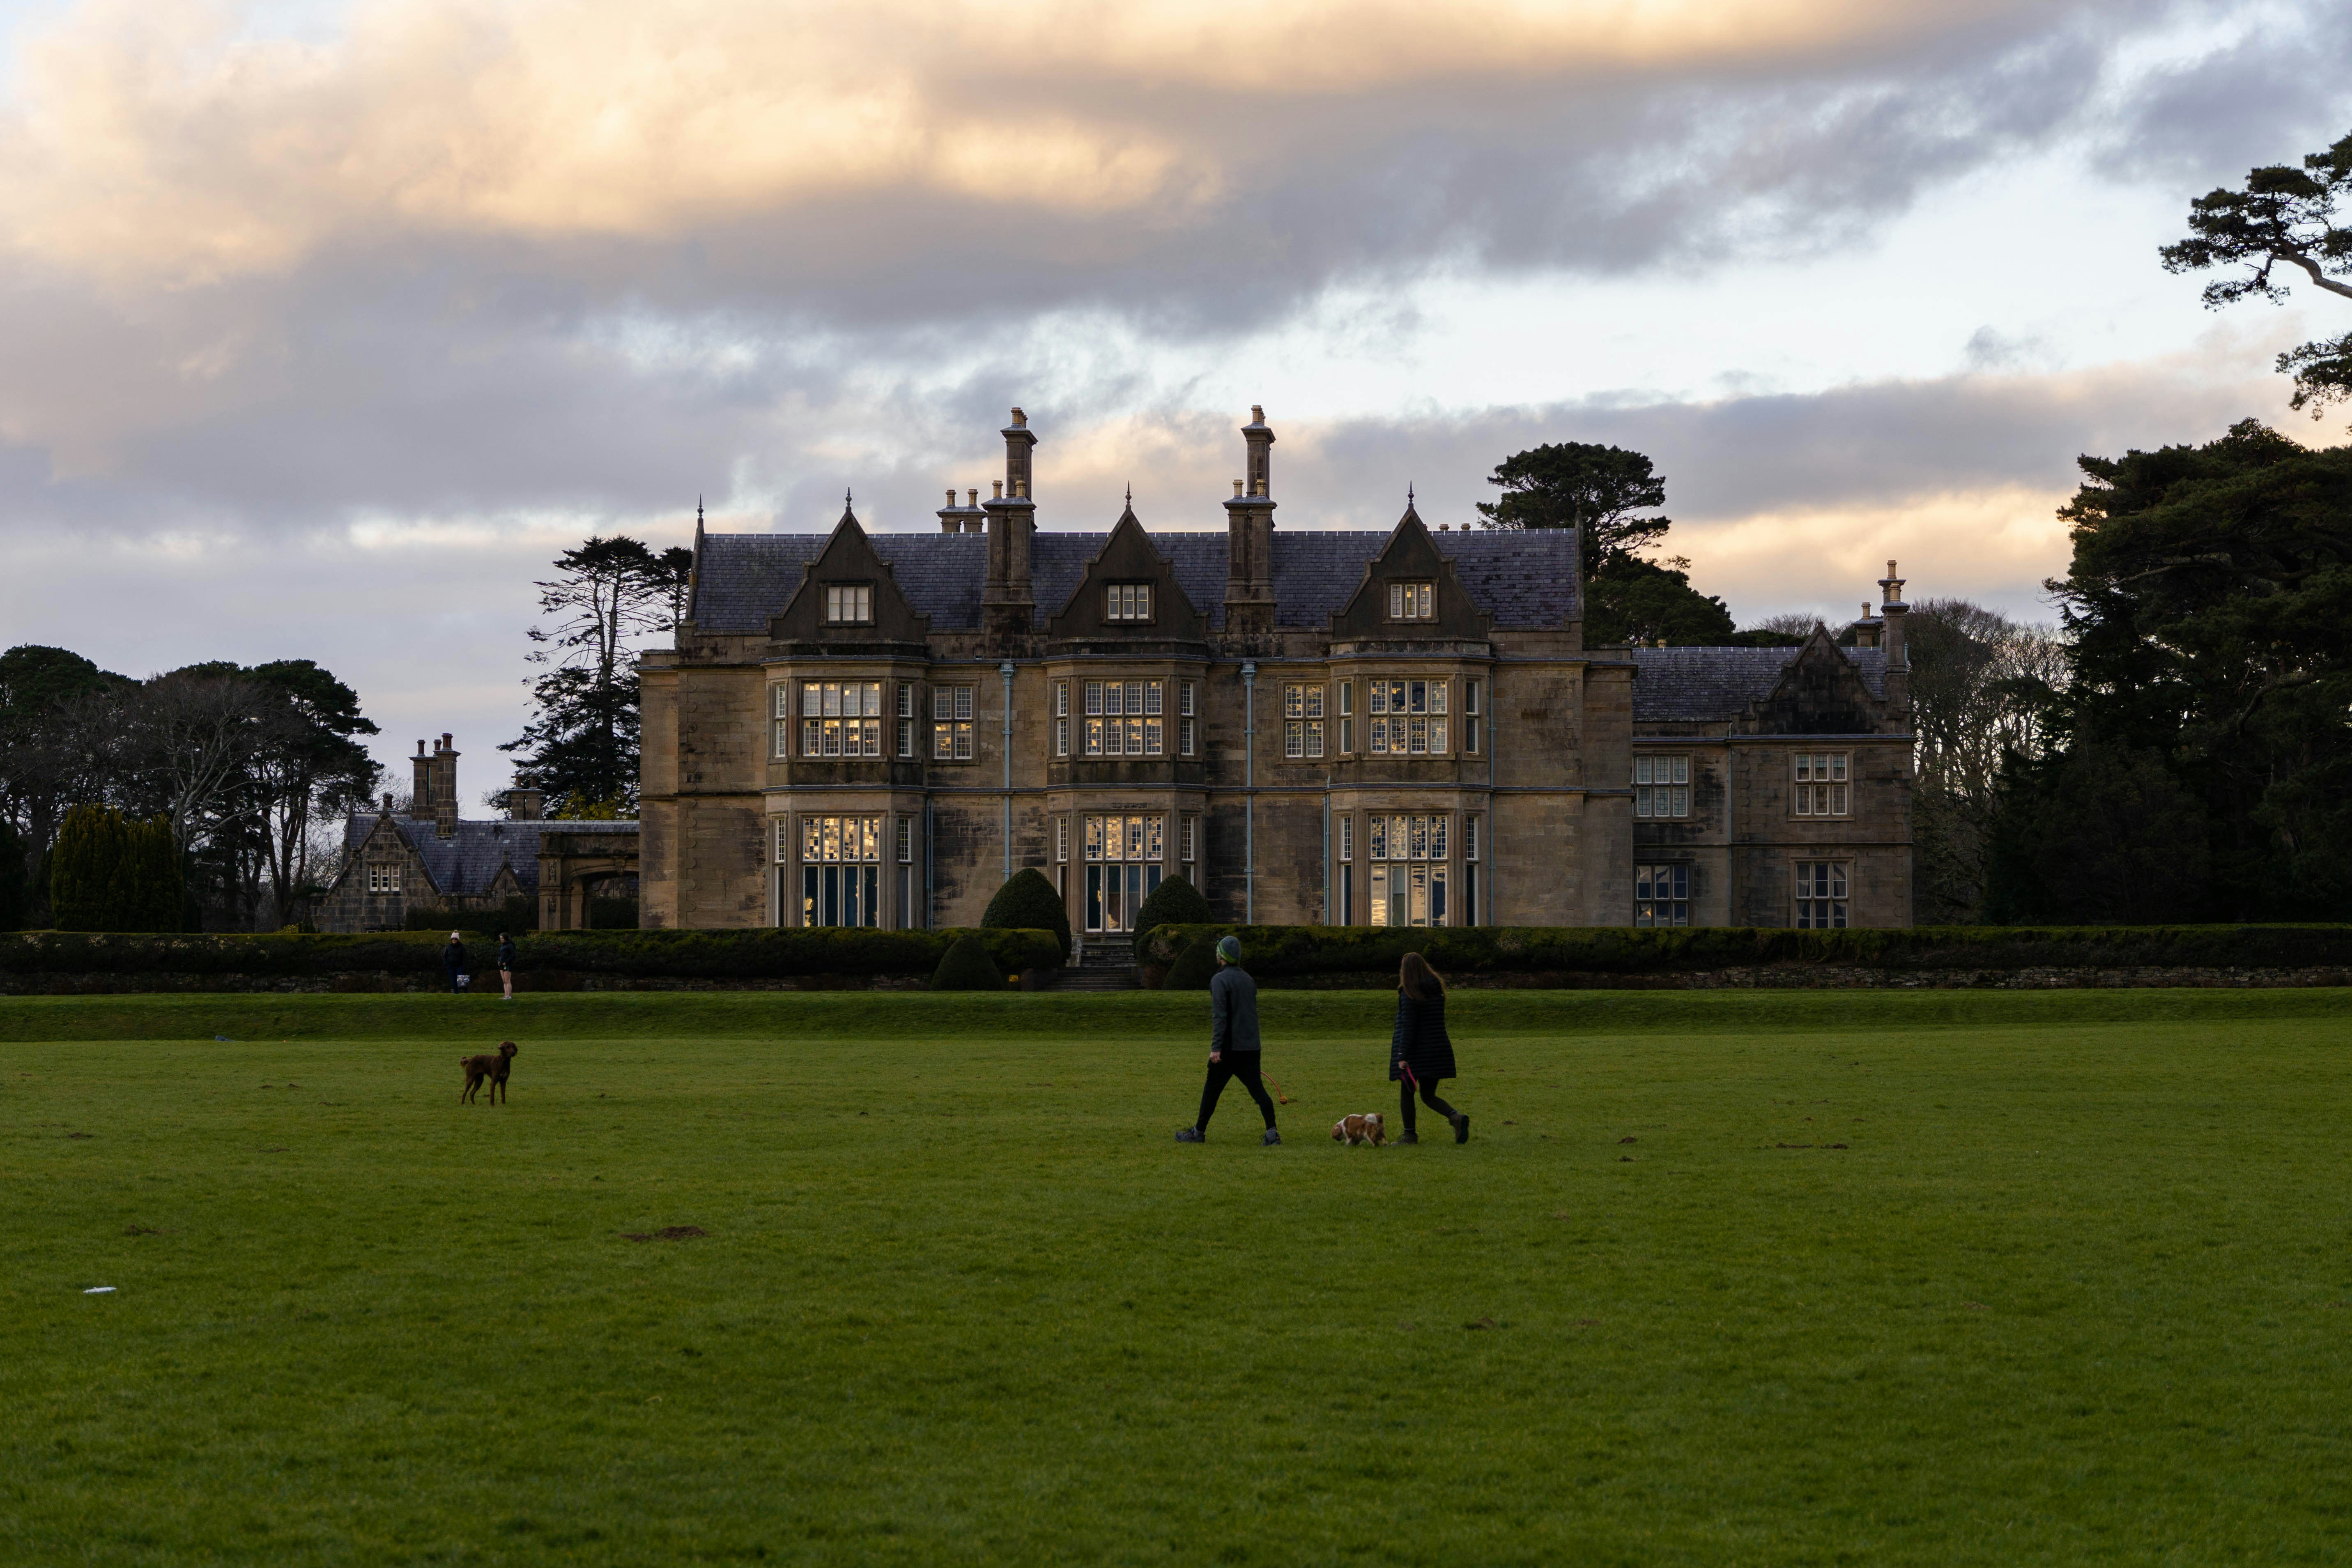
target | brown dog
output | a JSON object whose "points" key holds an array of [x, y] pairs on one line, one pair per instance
{"points": [[1370, 1127], [490, 1069]]}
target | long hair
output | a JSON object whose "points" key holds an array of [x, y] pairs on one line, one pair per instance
{"points": [[1417, 980]]}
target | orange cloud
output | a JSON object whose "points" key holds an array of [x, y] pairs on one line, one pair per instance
{"points": [[151, 141]]}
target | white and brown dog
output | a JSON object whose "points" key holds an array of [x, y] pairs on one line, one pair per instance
{"points": [[1353, 1129]]}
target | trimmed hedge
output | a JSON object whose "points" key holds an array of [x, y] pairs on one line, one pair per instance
{"points": [[1174, 902], [754, 955], [1196, 965], [1027, 902], [966, 966], [1298, 952]]}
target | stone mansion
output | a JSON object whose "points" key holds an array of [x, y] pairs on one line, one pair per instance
{"points": [[1312, 726]]}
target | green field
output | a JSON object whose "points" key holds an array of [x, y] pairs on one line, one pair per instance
{"points": [[2075, 1287]]}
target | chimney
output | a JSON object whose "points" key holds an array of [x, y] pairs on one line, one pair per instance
{"points": [[420, 786], [1249, 535], [525, 804], [1006, 603], [1891, 609], [444, 788], [950, 515]]}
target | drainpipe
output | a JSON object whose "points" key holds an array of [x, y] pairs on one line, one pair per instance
{"points": [[930, 909], [1249, 792], [1730, 839], [1327, 848], [1005, 670], [1494, 749]]}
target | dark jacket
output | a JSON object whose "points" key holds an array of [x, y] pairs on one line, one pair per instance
{"points": [[506, 956], [1233, 1012], [453, 958], [1421, 1039]]}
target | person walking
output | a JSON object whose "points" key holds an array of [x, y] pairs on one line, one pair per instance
{"points": [[453, 960], [1234, 1044], [506, 963], [1419, 1051]]}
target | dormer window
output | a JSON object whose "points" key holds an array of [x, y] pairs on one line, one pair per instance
{"points": [[1126, 601], [1412, 601], [849, 605]]}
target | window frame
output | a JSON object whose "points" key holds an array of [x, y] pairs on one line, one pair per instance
{"points": [[1661, 786], [854, 598], [1130, 603], [1821, 785], [1413, 600], [1820, 895]]}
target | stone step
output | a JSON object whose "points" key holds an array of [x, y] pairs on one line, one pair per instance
{"points": [[1090, 978]]}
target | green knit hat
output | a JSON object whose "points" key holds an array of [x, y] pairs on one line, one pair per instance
{"points": [[1229, 948]]}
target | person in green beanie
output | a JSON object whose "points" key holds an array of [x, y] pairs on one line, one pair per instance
{"points": [[1234, 1044]]}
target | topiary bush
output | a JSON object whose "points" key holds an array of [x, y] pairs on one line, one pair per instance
{"points": [[1027, 902], [1196, 965], [967, 968], [1174, 902]]}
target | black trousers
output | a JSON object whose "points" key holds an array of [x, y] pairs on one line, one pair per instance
{"points": [[1428, 1098], [1242, 1065]]}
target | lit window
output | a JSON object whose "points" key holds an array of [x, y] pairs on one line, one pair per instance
{"points": [[951, 723], [1302, 720], [1128, 602], [849, 605], [1408, 876], [840, 718], [841, 873], [1818, 786], [383, 879], [1820, 895], [1662, 787], [1662, 895], [1123, 719], [1412, 601]]}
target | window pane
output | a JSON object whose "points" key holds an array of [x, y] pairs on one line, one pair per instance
{"points": [[1094, 837], [1152, 737], [1315, 737], [1151, 691], [1437, 697], [1437, 837], [1379, 838], [1094, 696], [963, 702]]}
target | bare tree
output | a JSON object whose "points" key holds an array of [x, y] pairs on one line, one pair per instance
{"points": [[1982, 686], [193, 733]]}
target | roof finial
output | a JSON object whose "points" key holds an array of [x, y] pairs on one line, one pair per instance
{"points": [[845, 498], [1130, 492], [1408, 492], [698, 512]]}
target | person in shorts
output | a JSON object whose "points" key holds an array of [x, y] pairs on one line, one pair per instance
{"points": [[506, 963]]}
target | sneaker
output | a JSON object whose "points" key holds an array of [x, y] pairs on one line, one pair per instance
{"points": [[1462, 1127], [1410, 1138], [1271, 1138], [1190, 1135]]}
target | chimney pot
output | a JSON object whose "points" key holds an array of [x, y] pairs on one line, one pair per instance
{"points": [[1237, 487], [973, 493], [1257, 413], [952, 495], [997, 489], [1020, 419]]}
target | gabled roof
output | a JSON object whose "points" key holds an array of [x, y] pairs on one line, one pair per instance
{"points": [[464, 866], [1518, 579], [1698, 685]]}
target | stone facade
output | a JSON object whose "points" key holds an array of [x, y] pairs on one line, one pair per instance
{"points": [[1313, 726], [430, 857]]}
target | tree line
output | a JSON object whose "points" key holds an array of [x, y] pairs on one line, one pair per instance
{"points": [[244, 770]]}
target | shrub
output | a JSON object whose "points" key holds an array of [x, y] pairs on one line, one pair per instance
{"points": [[1174, 902], [110, 873], [1027, 902], [1196, 965], [1363, 954], [760, 953], [966, 966]]}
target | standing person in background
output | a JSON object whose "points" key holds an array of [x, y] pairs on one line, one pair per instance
{"points": [[1234, 1043], [506, 963], [453, 960], [1419, 1050]]}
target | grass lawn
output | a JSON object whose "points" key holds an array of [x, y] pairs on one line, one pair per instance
{"points": [[1795, 1278]]}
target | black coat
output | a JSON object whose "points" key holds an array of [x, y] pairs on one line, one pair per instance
{"points": [[1421, 1039], [453, 958]]}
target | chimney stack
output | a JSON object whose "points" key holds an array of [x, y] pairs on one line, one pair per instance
{"points": [[525, 804], [1249, 535], [1891, 609], [420, 786], [1006, 603], [444, 788]]}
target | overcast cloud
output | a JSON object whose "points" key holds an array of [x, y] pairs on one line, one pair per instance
{"points": [[327, 326]]}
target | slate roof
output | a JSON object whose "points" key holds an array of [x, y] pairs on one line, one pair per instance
{"points": [[1520, 579], [1694, 684], [464, 866]]}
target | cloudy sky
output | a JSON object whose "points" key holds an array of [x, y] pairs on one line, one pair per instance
{"points": [[324, 326]]}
